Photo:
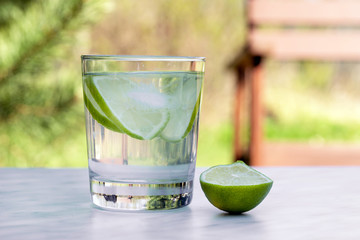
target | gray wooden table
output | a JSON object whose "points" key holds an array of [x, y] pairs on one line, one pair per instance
{"points": [[305, 203]]}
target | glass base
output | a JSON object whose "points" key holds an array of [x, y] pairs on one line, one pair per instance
{"points": [[134, 196]]}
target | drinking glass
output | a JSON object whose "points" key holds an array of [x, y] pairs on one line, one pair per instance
{"points": [[142, 123]]}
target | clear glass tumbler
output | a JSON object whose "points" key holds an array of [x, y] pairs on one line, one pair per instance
{"points": [[142, 121]]}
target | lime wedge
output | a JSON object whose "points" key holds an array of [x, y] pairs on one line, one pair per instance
{"points": [[139, 109], [96, 111], [235, 188], [184, 107]]}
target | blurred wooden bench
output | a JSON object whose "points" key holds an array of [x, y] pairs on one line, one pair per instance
{"points": [[324, 30]]}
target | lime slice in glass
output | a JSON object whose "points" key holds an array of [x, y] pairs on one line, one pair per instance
{"points": [[235, 188], [96, 111], [184, 106], [139, 109]]}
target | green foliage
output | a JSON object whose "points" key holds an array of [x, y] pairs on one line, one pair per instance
{"points": [[312, 129], [313, 102], [315, 75], [215, 145], [41, 116], [39, 79]]}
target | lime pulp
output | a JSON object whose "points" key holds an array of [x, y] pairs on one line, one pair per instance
{"points": [[145, 105]]}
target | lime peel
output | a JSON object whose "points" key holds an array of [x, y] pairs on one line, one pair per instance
{"points": [[145, 105], [97, 113], [235, 188], [118, 116], [182, 120]]}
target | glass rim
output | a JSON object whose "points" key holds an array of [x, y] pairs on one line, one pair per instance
{"points": [[137, 58]]}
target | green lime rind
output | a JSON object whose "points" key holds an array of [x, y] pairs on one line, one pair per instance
{"points": [[104, 105], [193, 115], [97, 113], [175, 130], [235, 198], [190, 125]]}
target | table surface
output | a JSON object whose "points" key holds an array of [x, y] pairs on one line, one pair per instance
{"points": [[304, 203]]}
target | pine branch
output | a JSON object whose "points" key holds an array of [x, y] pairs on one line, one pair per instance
{"points": [[46, 41]]}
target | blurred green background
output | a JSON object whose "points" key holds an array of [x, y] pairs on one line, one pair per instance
{"points": [[41, 109]]}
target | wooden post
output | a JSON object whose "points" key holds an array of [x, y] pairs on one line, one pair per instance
{"points": [[239, 113], [256, 111], [192, 66]]}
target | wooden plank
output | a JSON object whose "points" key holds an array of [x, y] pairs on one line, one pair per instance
{"points": [[310, 154], [295, 12], [307, 45]]}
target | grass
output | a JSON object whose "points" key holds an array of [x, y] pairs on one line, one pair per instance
{"points": [[215, 145], [317, 130], [312, 102]]}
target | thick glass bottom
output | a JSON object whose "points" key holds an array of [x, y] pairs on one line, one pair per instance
{"points": [[140, 196]]}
